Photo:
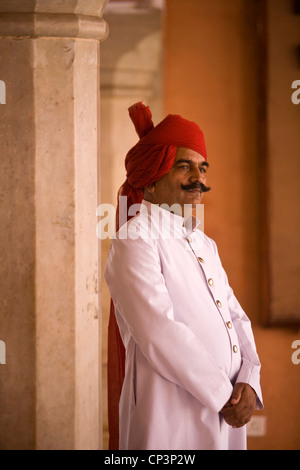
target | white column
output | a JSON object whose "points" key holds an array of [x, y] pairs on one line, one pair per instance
{"points": [[49, 127]]}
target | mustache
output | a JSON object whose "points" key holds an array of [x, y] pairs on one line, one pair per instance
{"points": [[196, 185]]}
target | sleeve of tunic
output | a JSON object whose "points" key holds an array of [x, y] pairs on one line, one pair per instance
{"points": [[136, 283]]}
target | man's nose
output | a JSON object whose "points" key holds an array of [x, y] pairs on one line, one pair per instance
{"points": [[197, 175]]}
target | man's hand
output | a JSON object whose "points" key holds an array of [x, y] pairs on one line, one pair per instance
{"points": [[238, 410]]}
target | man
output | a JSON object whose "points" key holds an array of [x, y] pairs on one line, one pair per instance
{"points": [[191, 377]]}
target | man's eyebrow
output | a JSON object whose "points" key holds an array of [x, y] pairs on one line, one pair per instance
{"points": [[185, 160]]}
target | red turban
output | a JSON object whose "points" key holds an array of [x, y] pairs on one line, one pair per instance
{"points": [[147, 162]]}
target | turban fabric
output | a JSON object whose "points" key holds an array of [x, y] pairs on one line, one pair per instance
{"points": [[147, 162]]}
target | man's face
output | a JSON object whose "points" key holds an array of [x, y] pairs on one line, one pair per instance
{"points": [[181, 184]]}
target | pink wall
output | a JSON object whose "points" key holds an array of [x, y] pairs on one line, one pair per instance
{"points": [[211, 77]]}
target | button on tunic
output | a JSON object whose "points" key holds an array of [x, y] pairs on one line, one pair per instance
{"points": [[187, 339]]}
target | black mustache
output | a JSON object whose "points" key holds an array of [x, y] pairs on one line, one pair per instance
{"points": [[196, 185]]}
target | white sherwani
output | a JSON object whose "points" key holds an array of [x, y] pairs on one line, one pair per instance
{"points": [[187, 339]]}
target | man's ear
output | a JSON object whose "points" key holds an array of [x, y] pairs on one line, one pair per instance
{"points": [[150, 189]]}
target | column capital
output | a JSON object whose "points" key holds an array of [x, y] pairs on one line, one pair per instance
{"points": [[53, 18]]}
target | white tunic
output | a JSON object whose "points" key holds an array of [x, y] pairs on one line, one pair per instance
{"points": [[187, 339]]}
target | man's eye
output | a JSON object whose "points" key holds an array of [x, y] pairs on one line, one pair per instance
{"points": [[183, 167]]}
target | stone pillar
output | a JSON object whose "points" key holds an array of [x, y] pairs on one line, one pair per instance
{"points": [[50, 386]]}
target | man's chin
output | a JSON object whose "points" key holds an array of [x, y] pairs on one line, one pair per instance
{"points": [[193, 199]]}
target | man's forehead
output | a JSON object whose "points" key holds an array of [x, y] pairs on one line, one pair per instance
{"points": [[189, 155]]}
